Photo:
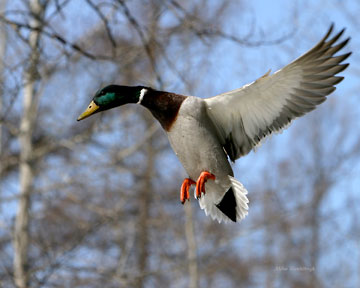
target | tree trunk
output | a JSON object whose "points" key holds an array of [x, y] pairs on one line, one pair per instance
{"points": [[3, 36], [320, 189], [191, 247], [144, 206], [21, 233]]}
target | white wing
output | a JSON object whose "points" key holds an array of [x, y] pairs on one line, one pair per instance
{"points": [[244, 116]]}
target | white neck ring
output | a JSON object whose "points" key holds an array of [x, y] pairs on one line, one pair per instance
{"points": [[142, 94]]}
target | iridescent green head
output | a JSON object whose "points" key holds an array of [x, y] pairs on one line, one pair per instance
{"points": [[113, 96]]}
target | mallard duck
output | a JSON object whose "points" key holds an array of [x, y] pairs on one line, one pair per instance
{"points": [[206, 133]]}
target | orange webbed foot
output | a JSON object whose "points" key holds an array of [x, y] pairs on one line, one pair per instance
{"points": [[200, 183], [184, 191]]}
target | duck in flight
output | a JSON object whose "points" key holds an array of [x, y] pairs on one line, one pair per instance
{"points": [[206, 133]]}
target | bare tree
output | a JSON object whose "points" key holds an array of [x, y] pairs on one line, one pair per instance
{"points": [[3, 42], [21, 232], [191, 248], [98, 201]]}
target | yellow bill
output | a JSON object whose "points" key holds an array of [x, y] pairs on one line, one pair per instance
{"points": [[89, 111]]}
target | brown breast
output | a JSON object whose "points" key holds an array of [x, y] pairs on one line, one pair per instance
{"points": [[164, 106]]}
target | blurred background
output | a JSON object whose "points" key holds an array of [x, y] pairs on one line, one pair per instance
{"points": [[96, 203]]}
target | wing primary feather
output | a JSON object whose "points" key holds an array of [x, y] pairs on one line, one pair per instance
{"points": [[270, 103], [325, 79]]}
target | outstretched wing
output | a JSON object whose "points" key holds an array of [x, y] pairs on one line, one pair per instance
{"points": [[245, 116]]}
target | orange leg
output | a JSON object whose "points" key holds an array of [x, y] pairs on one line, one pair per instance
{"points": [[184, 192], [200, 183]]}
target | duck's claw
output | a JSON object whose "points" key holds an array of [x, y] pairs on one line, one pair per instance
{"points": [[184, 192], [200, 183]]}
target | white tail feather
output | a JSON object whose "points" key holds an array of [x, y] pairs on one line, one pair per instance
{"points": [[241, 200], [214, 195]]}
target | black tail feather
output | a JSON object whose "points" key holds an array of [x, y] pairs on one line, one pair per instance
{"points": [[228, 205]]}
